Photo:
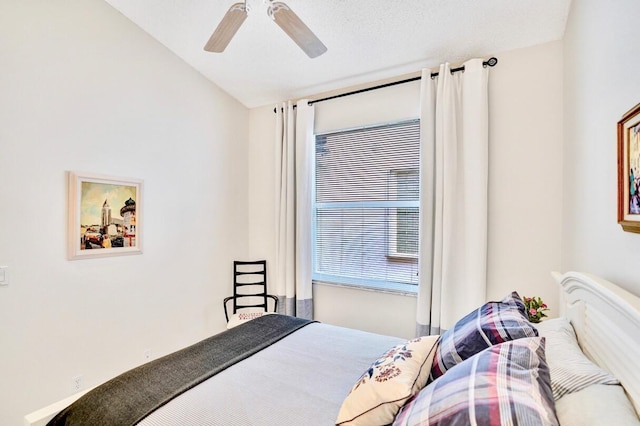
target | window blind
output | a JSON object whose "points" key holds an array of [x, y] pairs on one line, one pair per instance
{"points": [[366, 205]]}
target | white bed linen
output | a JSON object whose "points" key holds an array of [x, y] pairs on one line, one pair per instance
{"points": [[300, 380]]}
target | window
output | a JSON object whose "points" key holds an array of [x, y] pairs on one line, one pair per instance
{"points": [[366, 206], [403, 222]]}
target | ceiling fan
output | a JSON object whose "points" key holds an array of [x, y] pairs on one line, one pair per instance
{"points": [[280, 13]]}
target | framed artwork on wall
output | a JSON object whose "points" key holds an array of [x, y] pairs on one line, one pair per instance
{"points": [[629, 170], [105, 216]]}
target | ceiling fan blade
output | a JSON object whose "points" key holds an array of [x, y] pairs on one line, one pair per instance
{"points": [[227, 28], [296, 29]]}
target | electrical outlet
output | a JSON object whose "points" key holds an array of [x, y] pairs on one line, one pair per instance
{"points": [[147, 355], [77, 383]]}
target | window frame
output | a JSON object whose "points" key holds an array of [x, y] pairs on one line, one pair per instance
{"points": [[362, 283], [392, 223]]}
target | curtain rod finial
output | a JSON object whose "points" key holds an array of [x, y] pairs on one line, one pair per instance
{"points": [[491, 62]]}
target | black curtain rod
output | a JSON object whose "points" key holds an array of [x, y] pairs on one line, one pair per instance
{"points": [[491, 62]]}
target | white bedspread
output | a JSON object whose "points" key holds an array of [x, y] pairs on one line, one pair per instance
{"points": [[299, 381]]}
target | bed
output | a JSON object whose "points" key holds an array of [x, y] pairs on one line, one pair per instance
{"points": [[578, 369]]}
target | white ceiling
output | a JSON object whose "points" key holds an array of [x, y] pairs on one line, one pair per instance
{"points": [[367, 40]]}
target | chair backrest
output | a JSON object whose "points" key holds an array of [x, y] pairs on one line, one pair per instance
{"points": [[249, 284], [250, 288]]}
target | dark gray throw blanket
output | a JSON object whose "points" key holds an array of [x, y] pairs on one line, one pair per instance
{"points": [[128, 398]]}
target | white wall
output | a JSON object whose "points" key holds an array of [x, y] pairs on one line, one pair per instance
{"points": [[525, 184], [82, 88], [525, 172], [601, 83]]}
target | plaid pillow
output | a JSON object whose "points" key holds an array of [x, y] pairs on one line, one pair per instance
{"points": [[506, 384], [491, 324]]}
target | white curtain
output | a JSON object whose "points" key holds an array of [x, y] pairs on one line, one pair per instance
{"points": [[294, 177], [453, 202]]}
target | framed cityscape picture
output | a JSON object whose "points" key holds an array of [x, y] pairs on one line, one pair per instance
{"points": [[629, 170], [105, 216]]}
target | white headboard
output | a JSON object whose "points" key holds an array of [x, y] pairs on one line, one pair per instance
{"points": [[606, 319]]}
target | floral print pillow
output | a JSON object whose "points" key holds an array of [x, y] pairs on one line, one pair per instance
{"points": [[380, 392]]}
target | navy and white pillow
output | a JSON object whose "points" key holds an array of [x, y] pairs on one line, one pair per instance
{"points": [[491, 324], [507, 383]]}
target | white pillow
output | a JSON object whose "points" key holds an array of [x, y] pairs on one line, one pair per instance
{"points": [[383, 389], [597, 405], [570, 369], [244, 315]]}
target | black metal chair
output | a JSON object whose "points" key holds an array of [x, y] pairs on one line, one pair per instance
{"points": [[250, 289]]}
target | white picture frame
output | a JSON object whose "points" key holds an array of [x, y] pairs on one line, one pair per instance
{"points": [[104, 216]]}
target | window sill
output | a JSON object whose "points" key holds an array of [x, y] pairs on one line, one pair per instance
{"points": [[401, 257], [397, 289]]}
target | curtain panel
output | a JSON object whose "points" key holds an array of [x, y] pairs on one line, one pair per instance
{"points": [[453, 201], [294, 176]]}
